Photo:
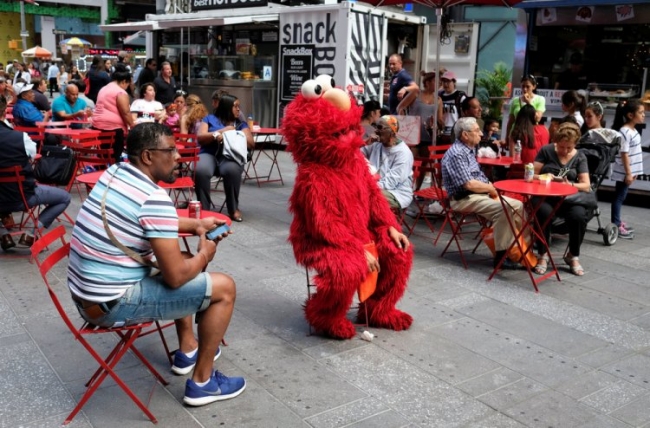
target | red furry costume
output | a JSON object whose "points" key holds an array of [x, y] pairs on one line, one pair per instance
{"points": [[337, 208]]}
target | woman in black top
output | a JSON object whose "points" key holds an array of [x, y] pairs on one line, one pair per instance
{"points": [[567, 165], [97, 78]]}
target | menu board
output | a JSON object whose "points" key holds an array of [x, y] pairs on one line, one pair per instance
{"points": [[296, 63]]}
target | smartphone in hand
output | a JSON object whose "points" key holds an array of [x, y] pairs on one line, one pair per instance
{"points": [[213, 234]]}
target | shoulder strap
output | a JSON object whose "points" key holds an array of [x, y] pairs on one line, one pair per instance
{"points": [[129, 252]]}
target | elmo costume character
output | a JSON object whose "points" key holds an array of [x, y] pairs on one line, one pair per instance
{"points": [[338, 207]]}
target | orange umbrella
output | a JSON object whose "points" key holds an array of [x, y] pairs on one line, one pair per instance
{"points": [[36, 52]]}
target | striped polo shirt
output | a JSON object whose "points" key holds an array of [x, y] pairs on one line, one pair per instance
{"points": [[630, 144], [137, 210]]}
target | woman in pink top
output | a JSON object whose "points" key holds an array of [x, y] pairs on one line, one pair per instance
{"points": [[113, 111]]}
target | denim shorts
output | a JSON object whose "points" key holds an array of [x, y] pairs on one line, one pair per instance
{"points": [[152, 300]]}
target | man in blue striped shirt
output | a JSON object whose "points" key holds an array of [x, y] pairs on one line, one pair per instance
{"points": [[470, 191], [109, 273]]}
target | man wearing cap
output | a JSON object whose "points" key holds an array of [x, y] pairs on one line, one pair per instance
{"points": [[470, 191], [25, 112], [449, 106], [6, 90], [393, 160], [403, 89]]}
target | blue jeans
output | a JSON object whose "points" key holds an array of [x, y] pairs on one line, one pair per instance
{"points": [[152, 300], [620, 194], [55, 199]]}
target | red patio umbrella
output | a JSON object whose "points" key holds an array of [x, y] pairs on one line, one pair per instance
{"points": [[440, 5]]}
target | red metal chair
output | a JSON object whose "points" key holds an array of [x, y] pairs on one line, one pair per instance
{"points": [[126, 335], [184, 184], [91, 157], [14, 176]]}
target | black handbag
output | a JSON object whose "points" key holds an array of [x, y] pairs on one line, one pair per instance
{"points": [[56, 166], [585, 199]]}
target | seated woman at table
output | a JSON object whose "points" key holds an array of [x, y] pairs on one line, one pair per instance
{"points": [[532, 135], [211, 159], [147, 109], [195, 112], [566, 165]]}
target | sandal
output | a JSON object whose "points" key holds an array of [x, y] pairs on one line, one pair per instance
{"points": [[236, 216], [576, 269], [542, 264]]}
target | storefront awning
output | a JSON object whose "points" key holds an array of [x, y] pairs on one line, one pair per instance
{"points": [[204, 22], [131, 26], [537, 4]]}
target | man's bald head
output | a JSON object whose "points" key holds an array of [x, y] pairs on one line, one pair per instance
{"points": [[71, 93]]}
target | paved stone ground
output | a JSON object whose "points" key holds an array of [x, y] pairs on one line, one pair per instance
{"points": [[479, 354]]}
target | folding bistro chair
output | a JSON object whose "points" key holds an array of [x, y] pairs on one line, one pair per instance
{"points": [[95, 158], [126, 335], [457, 221], [425, 196], [14, 176], [184, 184]]}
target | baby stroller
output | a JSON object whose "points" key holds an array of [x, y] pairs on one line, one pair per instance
{"points": [[600, 146]]}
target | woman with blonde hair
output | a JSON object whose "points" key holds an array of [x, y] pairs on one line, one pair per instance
{"points": [[195, 112]]}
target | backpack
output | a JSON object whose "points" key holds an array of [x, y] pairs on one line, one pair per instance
{"points": [[57, 166]]}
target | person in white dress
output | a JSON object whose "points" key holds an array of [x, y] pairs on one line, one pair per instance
{"points": [[147, 109]]}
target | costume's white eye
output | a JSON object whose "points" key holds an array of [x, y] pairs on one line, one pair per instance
{"points": [[311, 89], [325, 81]]}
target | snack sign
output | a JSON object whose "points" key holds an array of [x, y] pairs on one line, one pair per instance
{"points": [[226, 4]]}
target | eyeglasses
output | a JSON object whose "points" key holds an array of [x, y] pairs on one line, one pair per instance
{"points": [[172, 150], [181, 92]]}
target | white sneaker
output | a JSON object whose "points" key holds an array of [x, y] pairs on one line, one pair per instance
{"points": [[434, 208]]}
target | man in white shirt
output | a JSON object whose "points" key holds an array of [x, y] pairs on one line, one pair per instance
{"points": [[52, 74]]}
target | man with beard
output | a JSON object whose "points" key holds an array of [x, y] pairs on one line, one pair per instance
{"points": [[115, 285]]}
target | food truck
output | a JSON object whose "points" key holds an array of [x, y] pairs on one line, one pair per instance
{"points": [[262, 52]]}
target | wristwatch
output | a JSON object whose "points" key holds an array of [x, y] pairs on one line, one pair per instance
{"points": [[215, 135]]}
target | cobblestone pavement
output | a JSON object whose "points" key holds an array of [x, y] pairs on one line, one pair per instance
{"points": [[479, 354]]}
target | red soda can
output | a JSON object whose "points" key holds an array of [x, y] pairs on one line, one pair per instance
{"points": [[194, 208]]}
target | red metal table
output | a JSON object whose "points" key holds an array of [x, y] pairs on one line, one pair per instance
{"points": [[268, 144], [90, 178], [184, 212], [500, 161], [529, 222]]}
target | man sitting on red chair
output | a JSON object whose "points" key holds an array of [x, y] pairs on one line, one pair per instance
{"points": [[113, 285], [470, 191], [18, 150]]}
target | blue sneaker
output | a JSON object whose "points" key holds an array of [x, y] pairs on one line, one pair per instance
{"points": [[220, 387], [184, 364]]}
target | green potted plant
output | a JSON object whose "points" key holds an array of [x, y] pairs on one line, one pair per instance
{"points": [[491, 89]]}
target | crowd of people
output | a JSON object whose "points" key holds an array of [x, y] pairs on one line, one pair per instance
{"points": [[548, 149], [109, 285]]}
